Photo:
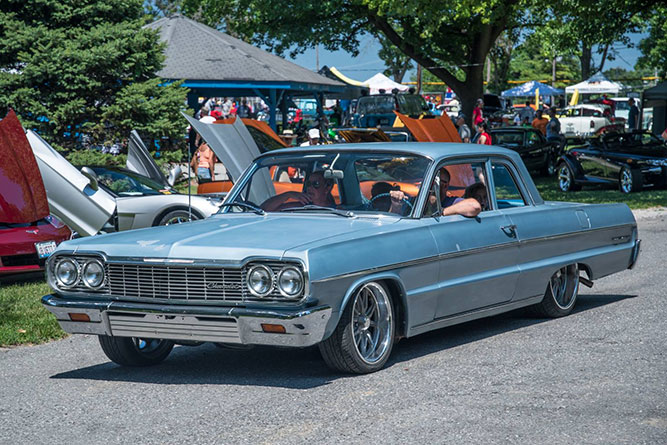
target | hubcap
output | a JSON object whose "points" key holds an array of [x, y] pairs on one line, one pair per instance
{"points": [[564, 179], [372, 326], [564, 286], [179, 220], [626, 181], [146, 345]]}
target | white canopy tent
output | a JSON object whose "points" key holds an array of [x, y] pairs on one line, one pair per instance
{"points": [[382, 82], [597, 84]]}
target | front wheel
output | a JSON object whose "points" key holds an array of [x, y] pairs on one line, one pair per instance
{"points": [[561, 293], [177, 217], [364, 337], [134, 351]]}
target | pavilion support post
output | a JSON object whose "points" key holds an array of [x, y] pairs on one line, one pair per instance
{"points": [[319, 100], [272, 109], [283, 109]]}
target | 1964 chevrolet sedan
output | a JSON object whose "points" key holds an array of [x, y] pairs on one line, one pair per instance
{"points": [[356, 257]]}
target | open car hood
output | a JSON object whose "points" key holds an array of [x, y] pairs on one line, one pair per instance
{"points": [[139, 160], [70, 196], [22, 194], [236, 149], [440, 129]]}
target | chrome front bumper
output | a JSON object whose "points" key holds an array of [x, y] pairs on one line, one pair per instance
{"points": [[303, 327]]}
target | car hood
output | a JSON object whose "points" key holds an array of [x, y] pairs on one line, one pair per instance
{"points": [[139, 160], [231, 237], [22, 193]]}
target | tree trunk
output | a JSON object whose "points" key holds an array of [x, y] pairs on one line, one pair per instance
{"points": [[585, 58]]}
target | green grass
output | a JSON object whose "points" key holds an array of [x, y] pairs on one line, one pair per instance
{"points": [[650, 197], [23, 319]]}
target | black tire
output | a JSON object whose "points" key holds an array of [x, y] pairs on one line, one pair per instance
{"points": [[630, 180], [341, 351], [176, 217], [134, 351], [561, 294], [549, 168], [566, 178]]}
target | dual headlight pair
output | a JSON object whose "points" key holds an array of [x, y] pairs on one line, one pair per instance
{"points": [[69, 272], [261, 281]]}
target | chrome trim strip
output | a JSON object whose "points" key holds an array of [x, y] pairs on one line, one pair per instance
{"points": [[473, 315]]}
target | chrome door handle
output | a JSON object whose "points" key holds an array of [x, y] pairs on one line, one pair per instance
{"points": [[509, 230]]}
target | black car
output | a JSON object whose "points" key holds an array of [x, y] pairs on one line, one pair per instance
{"points": [[632, 160], [535, 151]]}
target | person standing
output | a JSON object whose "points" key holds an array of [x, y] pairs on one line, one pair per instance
{"points": [[633, 115], [226, 108], [484, 137], [243, 110], [205, 117], [527, 113], [203, 162], [477, 113], [540, 122], [313, 138], [464, 130]]}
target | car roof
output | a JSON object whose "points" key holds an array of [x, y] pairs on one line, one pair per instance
{"points": [[433, 150]]}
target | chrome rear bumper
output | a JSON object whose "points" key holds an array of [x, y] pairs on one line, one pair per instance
{"points": [[303, 327], [635, 253]]}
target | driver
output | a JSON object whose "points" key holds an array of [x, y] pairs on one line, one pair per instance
{"points": [[317, 191]]}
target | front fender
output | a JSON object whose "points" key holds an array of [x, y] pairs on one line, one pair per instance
{"points": [[573, 164]]}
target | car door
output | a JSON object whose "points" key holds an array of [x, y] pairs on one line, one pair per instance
{"points": [[593, 164], [72, 197], [535, 149], [477, 256]]}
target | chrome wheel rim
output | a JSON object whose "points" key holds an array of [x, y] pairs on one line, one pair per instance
{"points": [[564, 178], [179, 220], [564, 286], [626, 181], [372, 326], [146, 345]]}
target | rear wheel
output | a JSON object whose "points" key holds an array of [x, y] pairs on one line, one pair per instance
{"points": [[134, 351], [561, 293], [549, 168], [629, 180], [566, 178], [364, 337], [176, 217]]}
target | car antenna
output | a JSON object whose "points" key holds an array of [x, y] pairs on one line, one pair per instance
{"points": [[189, 191]]}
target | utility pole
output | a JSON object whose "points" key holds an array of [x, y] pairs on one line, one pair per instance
{"points": [[317, 58], [553, 72], [488, 73], [419, 79]]}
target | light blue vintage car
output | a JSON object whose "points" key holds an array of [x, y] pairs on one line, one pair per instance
{"points": [[346, 247]]}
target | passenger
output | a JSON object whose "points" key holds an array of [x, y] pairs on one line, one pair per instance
{"points": [[478, 191], [317, 191], [453, 205]]}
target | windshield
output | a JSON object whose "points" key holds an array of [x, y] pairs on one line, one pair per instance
{"points": [[123, 183], [333, 181]]}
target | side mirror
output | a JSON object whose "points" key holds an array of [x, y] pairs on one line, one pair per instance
{"points": [[333, 174], [174, 174], [92, 177]]}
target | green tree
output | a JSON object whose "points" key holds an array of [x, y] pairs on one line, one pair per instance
{"points": [[395, 60], [533, 60], [72, 66], [654, 46]]}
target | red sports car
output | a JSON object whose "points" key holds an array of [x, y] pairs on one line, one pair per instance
{"points": [[28, 232]]}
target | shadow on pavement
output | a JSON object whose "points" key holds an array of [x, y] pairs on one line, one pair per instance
{"points": [[304, 368]]}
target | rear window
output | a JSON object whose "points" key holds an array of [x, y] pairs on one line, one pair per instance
{"points": [[411, 104], [513, 138], [376, 105]]}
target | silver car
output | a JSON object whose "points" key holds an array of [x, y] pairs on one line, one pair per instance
{"points": [[90, 201]]}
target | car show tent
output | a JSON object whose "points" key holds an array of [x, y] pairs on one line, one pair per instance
{"points": [[528, 89], [655, 100], [596, 84], [214, 64], [382, 82]]}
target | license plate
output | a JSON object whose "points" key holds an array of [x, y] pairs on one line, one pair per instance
{"points": [[45, 249]]}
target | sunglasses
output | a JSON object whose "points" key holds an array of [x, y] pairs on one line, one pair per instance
{"points": [[315, 184]]}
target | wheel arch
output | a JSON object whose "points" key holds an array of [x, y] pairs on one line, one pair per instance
{"points": [[394, 285], [162, 214], [573, 164]]}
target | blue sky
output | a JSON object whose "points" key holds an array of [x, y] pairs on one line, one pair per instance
{"points": [[368, 63]]}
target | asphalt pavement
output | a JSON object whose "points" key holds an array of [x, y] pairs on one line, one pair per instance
{"points": [[598, 376]]}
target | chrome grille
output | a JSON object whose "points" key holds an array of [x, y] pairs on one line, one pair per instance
{"points": [[186, 283]]}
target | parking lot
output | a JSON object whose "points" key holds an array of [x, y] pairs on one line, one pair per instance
{"points": [[597, 376]]}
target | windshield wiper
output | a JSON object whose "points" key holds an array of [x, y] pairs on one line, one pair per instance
{"points": [[309, 207], [245, 205]]}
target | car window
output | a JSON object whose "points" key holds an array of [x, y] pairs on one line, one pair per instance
{"points": [[126, 184], [376, 105], [592, 112], [508, 194], [533, 138], [410, 104], [573, 112], [510, 138], [466, 180], [358, 181]]}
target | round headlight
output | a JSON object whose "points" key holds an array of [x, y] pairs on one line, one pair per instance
{"points": [[93, 274], [260, 281], [290, 282], [67, 272]]}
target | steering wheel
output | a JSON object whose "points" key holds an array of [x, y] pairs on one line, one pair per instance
{"points": [[382, 195]]}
